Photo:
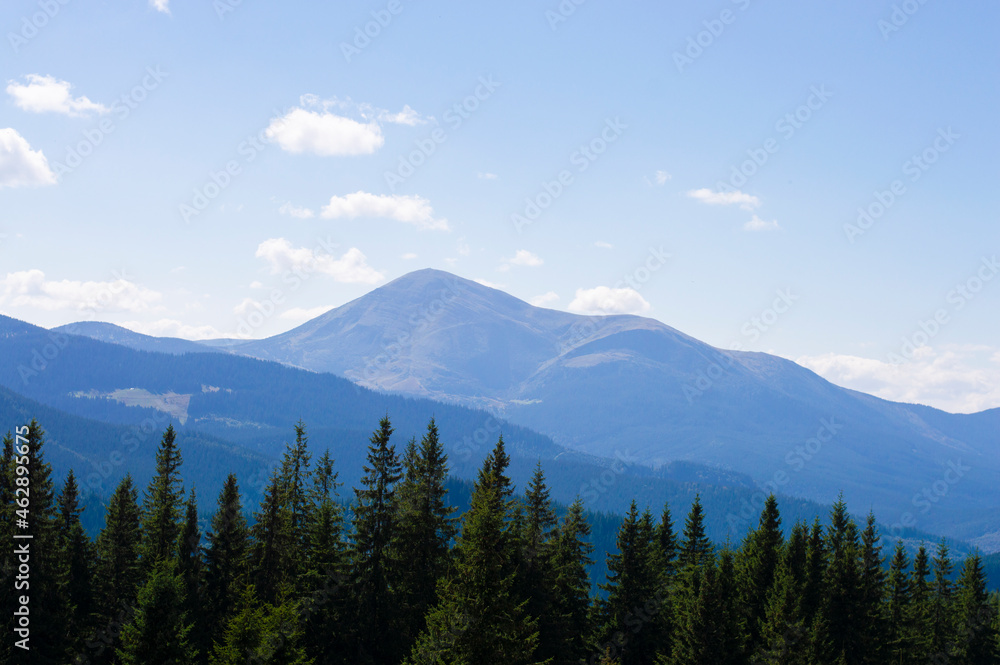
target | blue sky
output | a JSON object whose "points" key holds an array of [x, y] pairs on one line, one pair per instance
{"points": [[628, 126]]}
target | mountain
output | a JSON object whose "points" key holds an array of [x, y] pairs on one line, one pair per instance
{"points": [[253, 405], [634, 386], [109, 332]]}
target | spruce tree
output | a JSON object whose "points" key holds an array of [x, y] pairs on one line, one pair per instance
{"points": [[634, 598], [295, 490], [570, 561], [191, 569], [261, 634], [225, 557], [271, 542], [48, 575], [784, 637], [842, 606], [871, 610], [159, 629], [328, 628], [921, 619], [537, 577], [757, 562], [426, 528], [696, 545], [942, 619], [375, 526], [161, 507], [76, 565], [479, 618], [976, 635], [899, 631], [118, 570]]}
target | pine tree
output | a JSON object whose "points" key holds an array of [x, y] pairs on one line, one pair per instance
{"points": [[976, 636], [159, 629], [161, 507], [899, 611], [225, 557], [76, 563], [479, 618], [570, 561], [118, 571], [375, 524], [425, 530], [756, 564], [665, 554]]}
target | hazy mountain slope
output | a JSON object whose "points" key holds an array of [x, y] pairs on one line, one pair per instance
{"points": [[637, 386], [109, 332]]}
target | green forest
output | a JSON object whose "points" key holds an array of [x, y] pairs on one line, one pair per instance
{"points": [[389, 573]]}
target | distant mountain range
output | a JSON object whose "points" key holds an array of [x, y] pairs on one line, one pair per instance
{"points": [[635, 388], [235, 413]]}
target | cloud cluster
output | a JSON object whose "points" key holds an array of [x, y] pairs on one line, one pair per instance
{"points": [[173, 328], [351, 268], [20, 166], [319, 126], [745, 201], [30, 288], [46, 94], [522, 257], [603, 300], [414, 210], [955, 378], [758, 224]]}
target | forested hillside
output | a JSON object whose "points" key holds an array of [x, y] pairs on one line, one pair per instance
{"points": [[401, 577]]}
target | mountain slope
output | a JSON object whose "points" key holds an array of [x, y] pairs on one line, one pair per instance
{"points": [[637, 386]]}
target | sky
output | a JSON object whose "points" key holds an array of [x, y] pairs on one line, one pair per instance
{"points": [[812, 180]]}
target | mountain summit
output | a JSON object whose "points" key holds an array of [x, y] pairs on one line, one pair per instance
{"points": [[635, 388]]}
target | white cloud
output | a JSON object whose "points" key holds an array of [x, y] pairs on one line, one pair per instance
{"points": [[44, 94], [745, 201], [522, 258], [660, 178], [160, 5], [414, 210], [492, 285], [407, 117], [173, 328], [955, 378], [302, 314], [325, 134], [20, 166], [256, 285], [351, 268], [758, 224], [296, 211], [545, 299], [29, 288], [605, 300], [409, 256], [462, 247], [486, 176], [604, 245]]}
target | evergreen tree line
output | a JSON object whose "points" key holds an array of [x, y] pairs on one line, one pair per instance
{"points": [[399, 578]]}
